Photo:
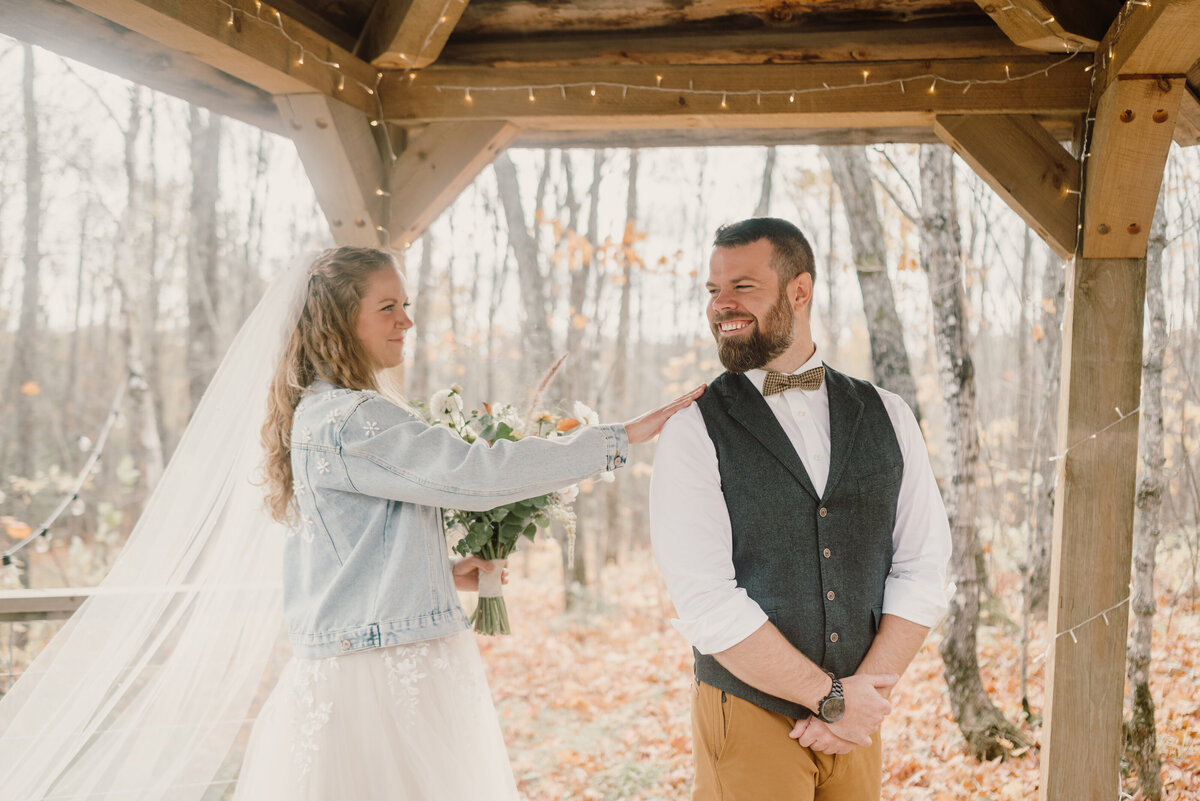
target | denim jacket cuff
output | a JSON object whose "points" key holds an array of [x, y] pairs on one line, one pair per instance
{"points": [[617, 442]]}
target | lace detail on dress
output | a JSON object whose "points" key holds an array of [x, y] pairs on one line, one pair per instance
{"points": [[312, 716], [404, 673]]}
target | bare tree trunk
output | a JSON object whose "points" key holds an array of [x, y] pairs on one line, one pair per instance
{"points": [[27, 342], [620, 399], [202, 285], [536, 302], [984, 727], [417, 379], [133, 283], [1140, 732], [889, 357], [764, 194], [831, 303]]}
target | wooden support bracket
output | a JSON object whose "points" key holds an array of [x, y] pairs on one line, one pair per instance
{"points": [[342, 159], [1037, 24], [1023, 163], [437, 164], [1135, 122]]}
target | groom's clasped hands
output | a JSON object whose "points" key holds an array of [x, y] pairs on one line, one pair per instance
{"points": [[866, 707]]}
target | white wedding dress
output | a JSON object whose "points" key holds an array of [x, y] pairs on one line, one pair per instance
{"points": [[410, 722]]}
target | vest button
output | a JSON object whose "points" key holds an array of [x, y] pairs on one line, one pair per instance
{"points": [[829, 595], [826, 553], [833, 637], [345, 645], [823, 511]]}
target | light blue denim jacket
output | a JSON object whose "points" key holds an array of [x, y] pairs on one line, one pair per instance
{"points": [[367, 563]]}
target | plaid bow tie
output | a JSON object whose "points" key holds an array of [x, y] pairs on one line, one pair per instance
{"points": [[778, 382]]}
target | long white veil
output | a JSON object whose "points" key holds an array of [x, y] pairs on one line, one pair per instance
{"points": [[148, 687]]}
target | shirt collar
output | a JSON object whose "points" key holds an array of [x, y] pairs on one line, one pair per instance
{"points": [[757, 377]]}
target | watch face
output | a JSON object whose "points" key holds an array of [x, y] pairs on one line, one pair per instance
{"points": [[832, 709]]}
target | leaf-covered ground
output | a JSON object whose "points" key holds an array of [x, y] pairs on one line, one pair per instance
{"points": [[595, 705]]}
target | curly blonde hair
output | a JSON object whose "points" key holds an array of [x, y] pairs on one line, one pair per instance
{"points": [[324, 345]]}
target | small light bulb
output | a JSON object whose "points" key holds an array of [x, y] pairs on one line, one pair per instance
{"points": [[593, 91], [866, 74], [231, 20], [792, 97], [723, 104], [658, 80], [300, 59], [467, 96], [531, 97]]}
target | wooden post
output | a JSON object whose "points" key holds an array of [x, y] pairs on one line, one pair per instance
{"points": [[1093, 529]]}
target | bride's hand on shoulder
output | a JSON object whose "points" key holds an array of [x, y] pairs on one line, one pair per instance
{"points": [[466, 572], [646, 427]]}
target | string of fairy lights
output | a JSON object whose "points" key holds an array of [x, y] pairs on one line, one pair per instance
{"points": [[928, 82]]}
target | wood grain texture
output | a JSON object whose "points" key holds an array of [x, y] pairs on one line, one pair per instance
{"points": [[251, 49], [83, 36], [563, 98], [1135, 122], [438, 163], [1093, 528], [343, 164], [1025, 166], [408, 34]]}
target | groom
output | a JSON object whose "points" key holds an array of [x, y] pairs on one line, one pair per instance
{"points": [[796, 520]]}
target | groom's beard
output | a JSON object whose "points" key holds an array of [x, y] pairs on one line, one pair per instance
{"points": [[770, 337]]}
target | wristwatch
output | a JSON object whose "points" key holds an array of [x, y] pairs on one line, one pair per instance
{"points": [[833, 706]]}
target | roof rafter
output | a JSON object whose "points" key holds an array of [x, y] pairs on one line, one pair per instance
{"points": [[408, 34], [259, 46], [81, 35]]}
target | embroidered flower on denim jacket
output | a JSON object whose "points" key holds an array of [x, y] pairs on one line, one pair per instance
{"points": [[323, 465], [370, 428]]}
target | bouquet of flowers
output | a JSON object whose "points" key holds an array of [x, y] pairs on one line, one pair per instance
{"points": [[494, 534]]}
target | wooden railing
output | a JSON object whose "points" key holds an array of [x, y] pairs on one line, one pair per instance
{"points": [[20, 606]]}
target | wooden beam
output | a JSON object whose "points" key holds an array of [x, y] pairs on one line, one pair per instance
{"points": [[1135, 122], [1051, 25], [259, 46], [808, 45], [82, 36], [804, 96], [1025, 166], [1157, 38], [1093, 528], [408, 34], [1060, 128], [1187, 125], [438, 163], [343, 163]]}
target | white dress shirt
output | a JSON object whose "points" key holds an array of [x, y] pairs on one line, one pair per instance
{"points": [[693, 537]]}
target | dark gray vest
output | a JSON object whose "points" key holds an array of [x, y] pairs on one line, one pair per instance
{"points": [[816, 566]]}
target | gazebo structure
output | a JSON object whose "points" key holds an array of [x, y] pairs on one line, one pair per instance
{"points": [[396, 105]]}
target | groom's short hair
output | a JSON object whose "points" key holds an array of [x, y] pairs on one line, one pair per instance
{"points": [[793, 254]]}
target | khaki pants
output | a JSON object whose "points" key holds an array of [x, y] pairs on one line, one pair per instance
{"points": [[743, 753]]}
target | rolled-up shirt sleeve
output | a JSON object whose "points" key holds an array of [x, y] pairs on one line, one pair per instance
{"points": [[916, 589], [693, 538]]}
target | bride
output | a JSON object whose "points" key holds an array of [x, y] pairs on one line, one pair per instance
{"points": [[147, 688]]}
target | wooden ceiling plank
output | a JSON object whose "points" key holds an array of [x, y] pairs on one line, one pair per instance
{"points": [[82, 36], [1036, 24], [1025, 166], [261, 47], [868, 94], [408, 34], [343, 164], [880, 43], [438, 163], [1158, 38], [1135, 122]]}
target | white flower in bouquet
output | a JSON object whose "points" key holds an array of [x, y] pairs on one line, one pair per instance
{"points": [[569, 494]]}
